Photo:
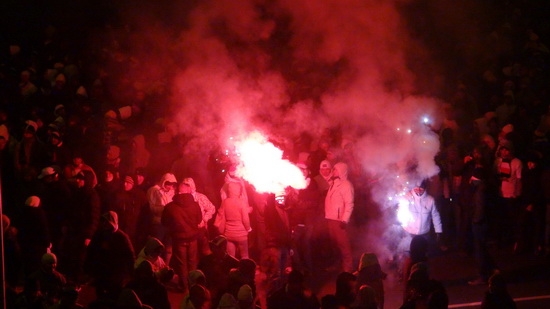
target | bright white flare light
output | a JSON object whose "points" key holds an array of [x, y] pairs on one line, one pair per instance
{"points": [[425, 120], [404, 216], [263, 166]]}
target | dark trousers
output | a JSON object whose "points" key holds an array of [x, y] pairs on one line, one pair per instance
{"points": [[302, 241], [507, 223], [484, 261], [339, 234], [184, 259]]}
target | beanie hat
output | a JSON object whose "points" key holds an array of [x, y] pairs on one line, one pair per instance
{"points": [[57, 108], [218, 241], [61, 78], [129, 180], [33, 201], [325, 164], [125, 112], [110, 114], [31, 125], [82, 91], [507, 128], [49, 258], [245, 293], [47, 171]]}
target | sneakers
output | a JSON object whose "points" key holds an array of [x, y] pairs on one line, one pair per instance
{"points": [[478, 281]]}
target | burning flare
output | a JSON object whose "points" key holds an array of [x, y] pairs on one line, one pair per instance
{"points": [[263, 166]]}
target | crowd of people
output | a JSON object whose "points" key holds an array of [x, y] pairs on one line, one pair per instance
{"points": [[86, 201]]}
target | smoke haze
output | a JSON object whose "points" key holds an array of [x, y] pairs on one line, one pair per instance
{"points": [[291, 66]]}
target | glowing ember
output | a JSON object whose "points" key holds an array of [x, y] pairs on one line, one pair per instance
{"points": [[263, 166]]}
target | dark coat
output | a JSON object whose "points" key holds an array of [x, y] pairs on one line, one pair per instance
{"points": [[129, 205], [110, 255], [84, 212], [182, 217], [278, 233]]}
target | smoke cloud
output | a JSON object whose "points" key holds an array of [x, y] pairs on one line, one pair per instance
{"points": [[291, 66]]}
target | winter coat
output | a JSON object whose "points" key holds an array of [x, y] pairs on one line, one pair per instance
{"points": [[182, 217], [423, 212], [339, 201], [128, 205], [110, 254], [158, 198], [237, 221], [84, 212]]}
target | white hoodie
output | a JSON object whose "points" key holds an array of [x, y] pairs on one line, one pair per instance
{"points": [[423, 212], [339, 201]]}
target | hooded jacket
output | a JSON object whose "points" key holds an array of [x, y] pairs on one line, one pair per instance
{"points": [[158, 198], [208, 209], [423, 211], [339, 200], [151, 245], [182, 217], [237, 220], [110, 255]]}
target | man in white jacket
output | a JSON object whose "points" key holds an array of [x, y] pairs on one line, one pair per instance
{"points": [[422, 213], [338, 208]]}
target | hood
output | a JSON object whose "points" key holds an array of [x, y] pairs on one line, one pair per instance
{"points": [[152, 244], [191, 183], [184, 199], [112, 218], [234, 189], [195, 276], [33, 201], [167, 177], [228, 301], [368, 259], [342, 169]]}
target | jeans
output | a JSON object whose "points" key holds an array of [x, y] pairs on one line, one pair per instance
{"points": [[184, 259], [241, 245]]}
